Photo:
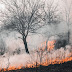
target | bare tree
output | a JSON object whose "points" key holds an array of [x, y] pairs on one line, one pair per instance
{"points": [[41, 54], [37, 57], [52, 13], [67, 17], [23, 16], [8, 60]]}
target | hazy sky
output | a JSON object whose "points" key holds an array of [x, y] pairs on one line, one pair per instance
{"points": [[61, 28]]}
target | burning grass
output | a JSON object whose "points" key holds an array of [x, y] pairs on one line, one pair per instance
{"points": [[64, 67], [44, 57]]}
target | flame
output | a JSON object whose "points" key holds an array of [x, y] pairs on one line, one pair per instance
{"points": [[50, 45], [46, 62]]}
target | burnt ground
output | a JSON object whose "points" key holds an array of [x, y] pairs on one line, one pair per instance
{"points": [[65, 67]]}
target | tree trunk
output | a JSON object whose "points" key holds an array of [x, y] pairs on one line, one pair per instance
{"points": [[36, 66], [40, 68], [25, 44], [68, 36], [46, 45]]}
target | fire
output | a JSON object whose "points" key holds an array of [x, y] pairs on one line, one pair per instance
{"points": [[50, 45], [47, 61]]}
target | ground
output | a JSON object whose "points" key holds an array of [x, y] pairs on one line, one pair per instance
{"points": [[65, 67]]}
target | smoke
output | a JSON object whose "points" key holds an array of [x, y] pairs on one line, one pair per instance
{"points": [[15, 54], [25, 59], [13, 44]]}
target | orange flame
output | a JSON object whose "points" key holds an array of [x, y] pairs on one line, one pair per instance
{"points": [[50, 46]]}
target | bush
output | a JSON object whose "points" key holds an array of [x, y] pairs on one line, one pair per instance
{"points": [[17, 51]]}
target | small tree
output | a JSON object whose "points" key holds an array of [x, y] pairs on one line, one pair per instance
{"points": [[37, 57], [33, 60], [41, 54], [23, 16]]}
